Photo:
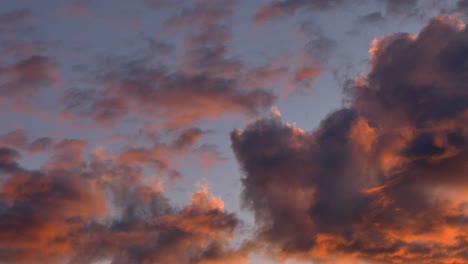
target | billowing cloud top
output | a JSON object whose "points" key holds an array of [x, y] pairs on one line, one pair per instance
{"points": [[381, 181]]}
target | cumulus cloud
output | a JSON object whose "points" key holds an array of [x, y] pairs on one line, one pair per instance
{"points": [[86, 210], [380, 181]]}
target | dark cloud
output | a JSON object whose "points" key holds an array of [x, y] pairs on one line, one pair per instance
{"points": [[423, 144], [376, 182], [428, 68], [61, 213], [8, 159], [374, 18], [280, 212]]}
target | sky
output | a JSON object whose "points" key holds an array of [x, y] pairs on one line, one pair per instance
{"points": [[234, 131]]}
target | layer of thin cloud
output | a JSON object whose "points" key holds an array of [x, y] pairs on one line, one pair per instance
{"points": [[207, 84], [179, 99], [287, 8], [26, 77], [15, 16]]}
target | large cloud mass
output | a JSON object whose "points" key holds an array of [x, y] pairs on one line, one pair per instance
{"points": [[383, 180], [78, 210]]}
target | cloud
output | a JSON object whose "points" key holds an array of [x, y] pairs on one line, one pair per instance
{"points": [[39, 210], [319, 45], [209, 24], [79, 7], [150, 226], [188, 138], [379, 181], [83, 210], [161, 3], [207, 84], [26, 77], [284, 8], [400, 6], [307, 72], [179, 98], [68, 154], [462, 6], [289, 7], [15, 16], [8, 157], [374, 18], [18, 139]]}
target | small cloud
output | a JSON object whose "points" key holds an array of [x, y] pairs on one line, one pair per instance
{"points": [[275, 112]]}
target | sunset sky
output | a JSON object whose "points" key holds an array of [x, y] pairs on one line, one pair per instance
{"points": [[233, 131]]}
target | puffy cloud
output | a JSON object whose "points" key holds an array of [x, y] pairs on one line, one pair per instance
{"points": [[380, 181], [406, 67], [85, 210], [40, 211], [149, 225]]}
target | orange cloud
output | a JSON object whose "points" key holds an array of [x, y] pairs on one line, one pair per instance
{"points": [[102, 210], [371, 184]]}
